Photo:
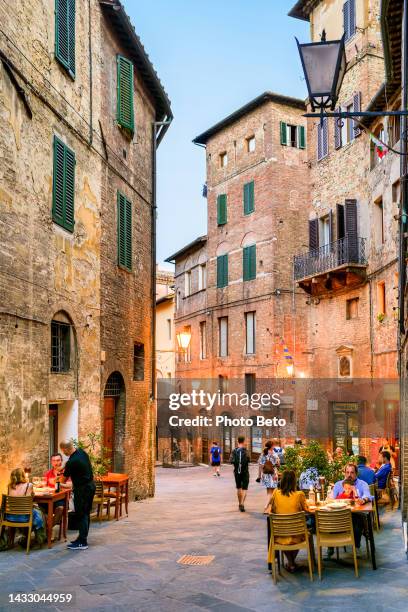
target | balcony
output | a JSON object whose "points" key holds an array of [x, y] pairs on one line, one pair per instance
{"points": [[339, 265]]}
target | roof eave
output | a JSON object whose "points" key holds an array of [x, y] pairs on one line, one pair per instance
{"points": [[189, 248]]}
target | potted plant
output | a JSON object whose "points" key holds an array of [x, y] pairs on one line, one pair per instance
{"points": [[97, 453]]}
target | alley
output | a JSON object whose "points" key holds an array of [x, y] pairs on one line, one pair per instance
{"points": [[132, 564]]}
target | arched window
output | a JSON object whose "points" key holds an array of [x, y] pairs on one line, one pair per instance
{"points": [[62, 343]]}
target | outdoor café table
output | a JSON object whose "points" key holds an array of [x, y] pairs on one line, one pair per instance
{"points": [[49, 499], [366, 509], [121, 484]]}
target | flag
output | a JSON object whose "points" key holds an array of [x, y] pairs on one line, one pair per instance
{"points": [[380, 148]]}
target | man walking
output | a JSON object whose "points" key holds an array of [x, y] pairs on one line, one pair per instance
{"points": [[215, 458], [240, 461], [79, 469]]}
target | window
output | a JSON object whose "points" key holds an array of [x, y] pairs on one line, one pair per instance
{"points": [[322, 140], [376, 154], [324, 231], [292, 135], [223, 337], [222, 271], [65, 34], [202, 276], [223, 159], [396, 192], [250, 333], [63, 189], [251, 143], [138, 361], [249, 198], [187, 283], [222, 209], [378, 222], [187, 352], [203, 340], [249, 262], [124, 232], [352, 308], [222, 384], [381, 305], [169, 325], [125, 112], [346, 130], [60, 346], [394, 130], [349, 18], [250, 383]]}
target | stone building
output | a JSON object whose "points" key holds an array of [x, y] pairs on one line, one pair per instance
{"points": [[234, 286], [78, 99], [349, 269]]}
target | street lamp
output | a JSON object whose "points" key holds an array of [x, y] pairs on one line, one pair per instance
{"points": [[324, 66], [183, 338]]}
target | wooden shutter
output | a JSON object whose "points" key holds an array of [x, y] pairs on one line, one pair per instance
{"points": [[301, 137], [125, 114], [65, 34], [325, 143], [319, 142], [63, 191], [331, 230], [356, 109], [340, 221], [350, 210], [313, 234], [124, 232], [346, 19], [249, 198], [222, 271], [249, 262], [222, 209], [337, 131], [283, 133], [352, 17]]}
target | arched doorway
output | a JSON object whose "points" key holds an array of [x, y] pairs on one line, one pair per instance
{"points": [[114, 421], [228, 440]]}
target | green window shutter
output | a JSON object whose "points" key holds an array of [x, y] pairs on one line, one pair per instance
{"points": [[222, 271], [124, 232], [65, 34], [63, 188], [249, 198], [283, 133], [222, 209], [125, 114], [301, 137], [249, 262]]}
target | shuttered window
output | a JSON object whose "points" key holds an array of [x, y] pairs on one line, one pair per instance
{"points": [[301, 137], [283, 133], [223, 337], [356, 109], [63, 188], [124, 232], [349, 18], [222, 209], [222, 271], [322, 139], [65, 34], [249, 198], [125, 113], [249, 262], [337, 130], [313, 234]]}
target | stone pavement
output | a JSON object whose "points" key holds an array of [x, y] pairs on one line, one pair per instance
{"points": [[132, 564]]}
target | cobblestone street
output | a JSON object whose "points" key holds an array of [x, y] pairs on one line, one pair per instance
{"points": [[132, 564]]}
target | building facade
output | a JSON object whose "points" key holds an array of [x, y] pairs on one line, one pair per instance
{"points": [[349, 269], [234, 286], [78, 97]]}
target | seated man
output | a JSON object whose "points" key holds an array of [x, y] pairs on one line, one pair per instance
{"points": [[365, 472], [51, 478], [363, 496], [382, 475]]}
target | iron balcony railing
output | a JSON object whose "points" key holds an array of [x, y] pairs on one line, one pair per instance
{"points": [[347, 250]]}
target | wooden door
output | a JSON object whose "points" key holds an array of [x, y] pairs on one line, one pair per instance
{"points": [[109, 428]]}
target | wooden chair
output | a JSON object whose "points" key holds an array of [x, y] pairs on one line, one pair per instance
{"points": [[373, 493], [334, 528], [101, 500], [21, 505], [287, 525]]}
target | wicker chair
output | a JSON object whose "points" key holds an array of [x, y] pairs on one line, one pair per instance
{"points": [[334, 528], [101, 500], [21, 505], [286, 525]]}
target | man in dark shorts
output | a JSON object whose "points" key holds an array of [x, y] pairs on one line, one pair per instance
{"points": [[240, 461], [215, 458], [79, 469]]}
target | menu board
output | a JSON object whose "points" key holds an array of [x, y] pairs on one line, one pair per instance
{"points": [[340, 429]]}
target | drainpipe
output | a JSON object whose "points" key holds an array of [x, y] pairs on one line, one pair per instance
{"points": [[90, 72], [159, 128]]}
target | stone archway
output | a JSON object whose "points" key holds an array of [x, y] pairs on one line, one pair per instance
{"points": [[114, 421]]}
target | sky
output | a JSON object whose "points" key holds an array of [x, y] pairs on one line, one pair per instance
{"points": [[211, 57]]}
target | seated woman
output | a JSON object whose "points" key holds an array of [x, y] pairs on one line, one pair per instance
{"points": [[19, 486], [287, 500]]}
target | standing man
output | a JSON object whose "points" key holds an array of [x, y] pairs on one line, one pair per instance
{"points": [[79, 469], [215, 458], [240, 461]]}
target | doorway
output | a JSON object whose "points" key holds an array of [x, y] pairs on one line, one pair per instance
{"points": [[114, 421], [345, 427]]}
